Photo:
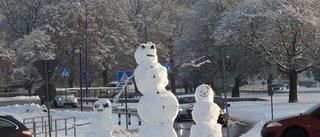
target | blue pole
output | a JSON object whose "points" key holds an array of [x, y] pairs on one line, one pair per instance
{"points": [[87, 74], [145, 29], [80, 68]]}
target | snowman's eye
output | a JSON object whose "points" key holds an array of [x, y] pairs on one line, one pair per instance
{"points": [[152, 47], [143, 46], [105, 105], [96, 106]]}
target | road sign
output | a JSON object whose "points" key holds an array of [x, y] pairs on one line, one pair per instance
{"points": [[84, 75], [42, 92], [219, 80], [46, 68], [270, 71], [167, 65], [65, 72], [218, 50], [124, 75]]}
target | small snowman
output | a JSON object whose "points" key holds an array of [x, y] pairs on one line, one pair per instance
{"points": [[157, 107], [101, 122], [205, 114]]}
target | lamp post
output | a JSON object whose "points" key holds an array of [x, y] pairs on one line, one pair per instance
{"points": [[80, 69], [145, 28], [85, 73]]}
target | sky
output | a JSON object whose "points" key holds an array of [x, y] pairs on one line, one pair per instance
{"points": [[257, 112]]}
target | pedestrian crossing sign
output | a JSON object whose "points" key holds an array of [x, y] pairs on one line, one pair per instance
{"points": [[124, 75], [167, 65], [65, 72]]}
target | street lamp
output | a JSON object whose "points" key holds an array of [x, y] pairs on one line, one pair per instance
{"points": [[85, 73], [145, 28], [80, 74]]}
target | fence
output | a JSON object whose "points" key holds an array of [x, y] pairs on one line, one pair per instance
{"points": [[40, 125]]}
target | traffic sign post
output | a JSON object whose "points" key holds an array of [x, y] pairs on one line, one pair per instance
{"points": [[167, 65], [84, 75], [46, 69], [65, 72], [223, 55], [270, 72], [42, 92], [124, 75]]}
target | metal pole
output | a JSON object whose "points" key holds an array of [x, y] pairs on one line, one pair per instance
{"points": [[225, 88], [145, 29], [80, 68], [48, 102], [87, 74], [271, 93], [126, 98]]}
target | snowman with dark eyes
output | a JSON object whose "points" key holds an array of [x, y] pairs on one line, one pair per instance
{"points": [[157, 107], [101, 123], [205, 114]]}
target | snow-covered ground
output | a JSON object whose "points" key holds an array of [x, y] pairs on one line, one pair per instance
{"points": [[256, 112]]}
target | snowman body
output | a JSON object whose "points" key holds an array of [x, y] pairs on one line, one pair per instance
{"points": [[205, 114], [152, 76], [101, 122], [157, 107]]}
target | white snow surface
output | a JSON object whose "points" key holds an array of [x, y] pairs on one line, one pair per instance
{"points": [[251, 111]]}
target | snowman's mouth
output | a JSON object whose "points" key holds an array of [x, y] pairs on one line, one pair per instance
{"points": [[149, 55]]}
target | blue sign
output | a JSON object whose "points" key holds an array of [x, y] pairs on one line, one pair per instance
{"points": [[65, 72], [124, 75], [167, 65], [84, 75]]}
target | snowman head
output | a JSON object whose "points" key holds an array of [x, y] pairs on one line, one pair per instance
{"points": [[204, 93], [146, 53], [102, 106]]}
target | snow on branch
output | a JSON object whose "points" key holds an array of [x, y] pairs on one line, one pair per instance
{"points": [[196, 63]]}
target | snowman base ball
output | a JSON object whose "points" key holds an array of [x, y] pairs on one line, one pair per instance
{"points": [[206, 130], [157, 131]]}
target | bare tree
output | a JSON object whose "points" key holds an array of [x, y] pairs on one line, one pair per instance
{"points": [[284, 33]]}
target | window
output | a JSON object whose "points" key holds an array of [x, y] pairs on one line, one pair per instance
{"points": [[7, 124]]}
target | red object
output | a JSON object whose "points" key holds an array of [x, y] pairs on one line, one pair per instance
{"points": [[306, 124], [27, 133]]}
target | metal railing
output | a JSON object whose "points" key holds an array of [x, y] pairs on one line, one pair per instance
{"points": [[40, 125]]}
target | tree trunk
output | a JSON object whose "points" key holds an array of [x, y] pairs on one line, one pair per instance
{"points": [[172, 78], [185, 86], [70, 82], [235, 90], [293, 92], [105, 76]]}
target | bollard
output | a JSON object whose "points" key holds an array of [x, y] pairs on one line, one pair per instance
{"points": [[139, 121], [119, 119], [129, 119]]}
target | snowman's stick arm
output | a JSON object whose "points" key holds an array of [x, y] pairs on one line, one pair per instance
{"points": [[116, 97]]}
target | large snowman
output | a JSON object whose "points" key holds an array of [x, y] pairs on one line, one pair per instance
{"points": [[205, 114], [101, 122], [157, 107]]}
